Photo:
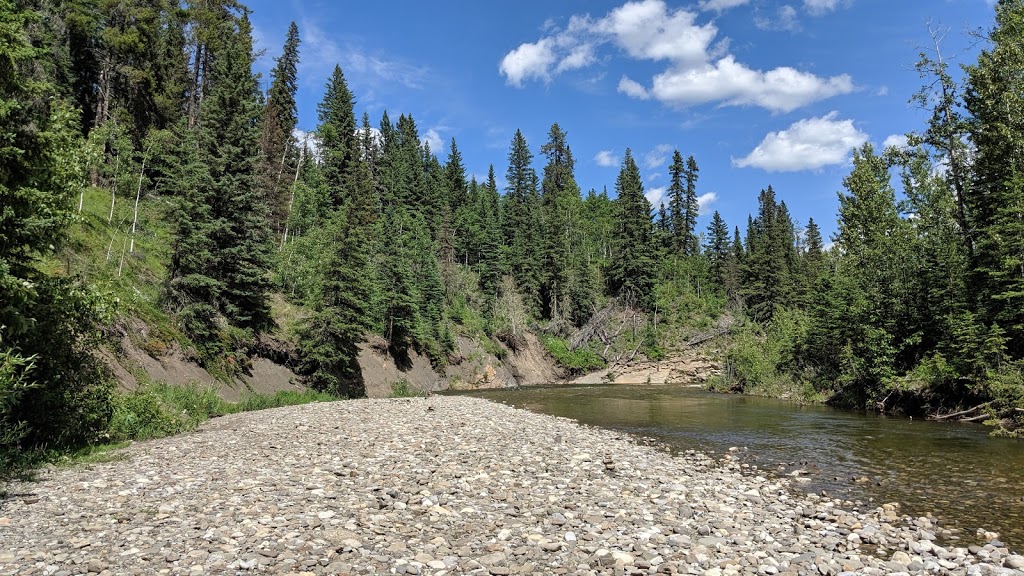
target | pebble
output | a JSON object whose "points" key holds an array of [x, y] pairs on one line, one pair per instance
{"points": [[448, 485]]}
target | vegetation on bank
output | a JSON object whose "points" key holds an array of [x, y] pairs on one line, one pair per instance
{"points": [[216, 211]]}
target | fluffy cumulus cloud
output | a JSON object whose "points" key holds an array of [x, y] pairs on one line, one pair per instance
{"points": [[704, 202], [731, 83], [632, 88], [656, 196], [808, 144], [433, 139], [895, 141], [698, 68], [528, 61], [606, 158]]}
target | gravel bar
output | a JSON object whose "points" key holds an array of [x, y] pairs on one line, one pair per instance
{"points": [[446, 485]]}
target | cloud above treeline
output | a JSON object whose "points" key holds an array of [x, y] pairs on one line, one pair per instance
{"points": [[698, 68], [808, 144]]}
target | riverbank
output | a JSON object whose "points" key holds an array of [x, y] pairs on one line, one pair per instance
{"points": [[444, 485]]}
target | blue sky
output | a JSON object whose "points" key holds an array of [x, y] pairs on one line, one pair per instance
{"points": [[759, 91]]}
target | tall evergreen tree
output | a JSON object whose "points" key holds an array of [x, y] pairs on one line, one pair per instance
{"points": [[337, 133], [718, 248], [995, 99], [631, 273], [561, 213], [691, 208], [677, 203], [278, 149], [221, 253], [521, 221]]}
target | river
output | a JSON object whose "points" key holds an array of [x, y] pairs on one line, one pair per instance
{"points": [[954, 472]]}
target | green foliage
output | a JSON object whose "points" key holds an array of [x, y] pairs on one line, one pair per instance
{"points": [[631, 273], [768, 363], [577, 361], [402, 389], [159, 409]]}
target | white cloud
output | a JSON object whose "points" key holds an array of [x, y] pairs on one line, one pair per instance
{"points": [[721, 5], [699, 69], [896, 141], [704, 202], [606, 158], [433, 139], [655, 195], [733, 84], [632, 88], [529, 60], [658, 156], [648, 30], [808, 144]]}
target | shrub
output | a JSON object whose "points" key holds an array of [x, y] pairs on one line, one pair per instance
{"points": [[576, 361]]}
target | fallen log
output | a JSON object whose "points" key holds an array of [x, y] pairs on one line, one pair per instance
{"points": [[978, 418], [959, 414]]}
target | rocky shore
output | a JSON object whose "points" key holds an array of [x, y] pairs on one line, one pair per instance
{"points": [[446, 485]]}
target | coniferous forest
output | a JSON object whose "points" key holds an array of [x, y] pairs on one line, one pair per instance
{"points": [[146, 175]]}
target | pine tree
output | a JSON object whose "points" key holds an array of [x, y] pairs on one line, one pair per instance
{"points": [[718, 249], [329, 340], [222, 248], [631, 271], [995, 100], [770, 258], [561, 213], [488, 208], [337, 133], [691, 208], [278, 151], [677, 203], [520, 220]]}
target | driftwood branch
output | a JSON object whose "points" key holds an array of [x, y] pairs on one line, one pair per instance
{"points": [[978, 418], [961, 414]]}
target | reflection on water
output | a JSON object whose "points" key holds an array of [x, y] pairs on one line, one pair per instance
{"points": [[953, 471]]}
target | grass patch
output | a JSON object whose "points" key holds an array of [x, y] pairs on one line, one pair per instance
{"points": [[160, 410], [576, 361]]}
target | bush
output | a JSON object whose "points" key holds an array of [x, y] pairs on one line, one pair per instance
{"points": [[403, 389], [576, 361]]}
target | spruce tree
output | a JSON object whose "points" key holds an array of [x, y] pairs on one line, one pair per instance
{"points": [[561, 214], [278, 149], [995, 100], [521, 223], [691, 208], [221, 254], [718, 248], [337, 133], [677, 203], [631, 271]]}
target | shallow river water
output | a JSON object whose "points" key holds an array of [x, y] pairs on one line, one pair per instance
{"points": [[955, 472]]}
